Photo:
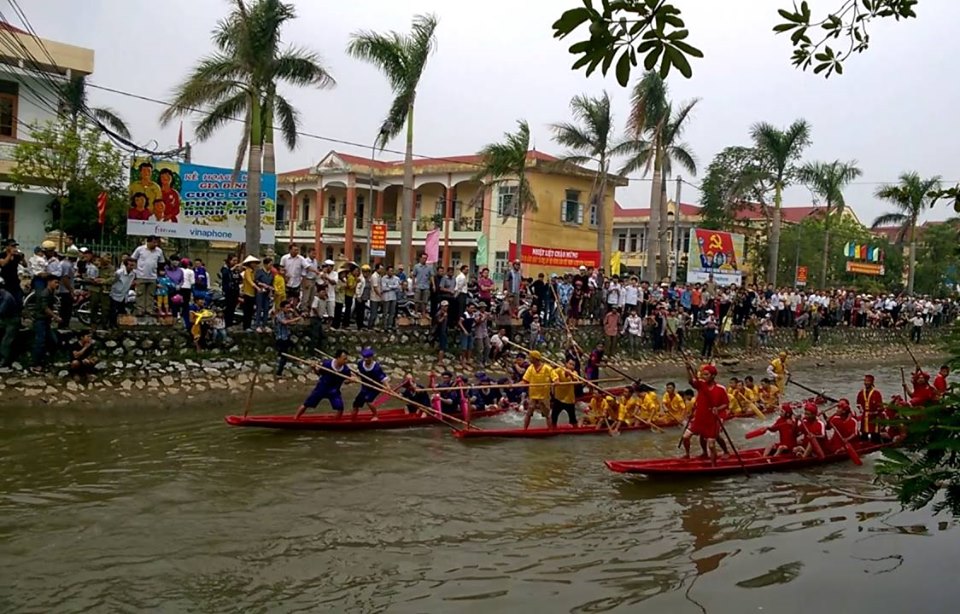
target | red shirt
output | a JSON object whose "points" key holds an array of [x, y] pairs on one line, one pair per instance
{"points": [[815, 427], [940, 383], [842, 427], [923, 394], [786, 428], [710, 395], [138, 214]]}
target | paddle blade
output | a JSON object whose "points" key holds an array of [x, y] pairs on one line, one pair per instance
{"points": [[853, 454], [756, 433]]}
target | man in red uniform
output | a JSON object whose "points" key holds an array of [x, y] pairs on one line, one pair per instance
{"points": [[812, 431], [843, 425], [786, 428], [923, 393], [940, 381], [870, 404], [711, 401]]}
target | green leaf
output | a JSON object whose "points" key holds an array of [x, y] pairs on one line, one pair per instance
{"points": [[623, 69], [784, 27], [794, 17], [678, 59], [652, 56], [570, 20], [688, 49]]}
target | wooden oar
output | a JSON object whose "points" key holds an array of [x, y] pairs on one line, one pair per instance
{"points": [[813, 440], [909, 351], [819, 393], [506, 386], [756, 432], [429, 410], [733, 447], [750, 405], [246, 405], [581, 379]]}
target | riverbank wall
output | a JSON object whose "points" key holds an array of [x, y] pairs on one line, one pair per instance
{"points": [[159, 367]]}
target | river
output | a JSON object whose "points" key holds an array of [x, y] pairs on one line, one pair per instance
{"points": [[173, 511]]}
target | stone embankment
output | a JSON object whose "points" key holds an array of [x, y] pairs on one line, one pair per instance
{"points": [[158, 367]]}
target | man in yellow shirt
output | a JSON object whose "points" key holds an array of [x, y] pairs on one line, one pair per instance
{"points": [[777, 371], [732, 398], [769, 396], [538, 378], [146, 184], [752, 391], [564, 393], [673, 404]]}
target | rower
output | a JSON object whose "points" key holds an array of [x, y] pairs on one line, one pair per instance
{"points": [[736, 409], [752, 390], [815, 429], [940, 381], [328, 387], [786, 428], [769, 396], [370, 372], [592, 370], [485, 394], [649, 402], [711, 400], [510, 396], [564, 393], [538, 377], [628, 406], [518, 369], [870, 404], [448, 393], [923, 393], [689, 401], [844, 427], [673, 403], [414, 393], [777, 371]]}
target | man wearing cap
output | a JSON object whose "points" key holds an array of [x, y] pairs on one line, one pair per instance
{"points": [[812, 431], [923, 393], [711, 401], [372, 377], [148, 257], [10, 260], [777, 371], [334, 373], [327, 282], [786, 429], [843, 425], [538, 378], [940, 381], [10, 308], [564, 393], [43, 316], [870, 404], [449, 394], [308, 285]]}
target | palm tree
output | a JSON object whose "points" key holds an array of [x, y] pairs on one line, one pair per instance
{"points": [[911, 196], [781, 148], [653, 143], [73, 102], [591, 139], [827, 179], [402, 59], [507, 162], [240, 80]]}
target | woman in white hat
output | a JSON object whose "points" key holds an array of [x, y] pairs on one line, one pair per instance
{"points": [[248, 291]]}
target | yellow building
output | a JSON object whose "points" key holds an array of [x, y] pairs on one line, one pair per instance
{"points": [[333, 204]]}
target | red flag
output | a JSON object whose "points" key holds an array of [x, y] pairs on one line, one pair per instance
{"points": [[102, 208], [180, 137]]}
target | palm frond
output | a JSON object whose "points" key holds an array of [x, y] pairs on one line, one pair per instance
{"points": [[683, 154], [890, 219], [224, 112], [385, 51], [395, 121], [110, 117], [288, 118], [301, 67], [243, 144], [572, 136]]}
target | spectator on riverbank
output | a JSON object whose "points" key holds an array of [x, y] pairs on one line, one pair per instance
{"points": [[82, 358], [10, 308], [148, 258]]}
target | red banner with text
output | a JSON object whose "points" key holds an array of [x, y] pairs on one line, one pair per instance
{"points": [[554, 256], [378, 240]]}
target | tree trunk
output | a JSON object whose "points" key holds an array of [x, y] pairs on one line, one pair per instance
{"points": [[653, 226], [774, 245], [600, 201], [913, 260], [406, 256], [254, 162], [664, 269], [826, 249], [519, 211]]}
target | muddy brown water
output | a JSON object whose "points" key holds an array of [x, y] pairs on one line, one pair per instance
{"points": [[173, 511]]}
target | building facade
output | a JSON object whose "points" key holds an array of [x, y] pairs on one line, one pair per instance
{"points": [[332, 206], [29, 67]]}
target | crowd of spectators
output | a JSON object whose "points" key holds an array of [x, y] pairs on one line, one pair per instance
{"points": [[470, 311]]}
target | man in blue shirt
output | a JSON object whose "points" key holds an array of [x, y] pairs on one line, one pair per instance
{"points": [[372, 378], [334, 373]]}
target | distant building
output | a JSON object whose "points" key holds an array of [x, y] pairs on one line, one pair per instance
{"points": [[332, 204], [29, 69]]}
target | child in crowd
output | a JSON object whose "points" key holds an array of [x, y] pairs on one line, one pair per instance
{"points": [[165, 287], [219, 327]]}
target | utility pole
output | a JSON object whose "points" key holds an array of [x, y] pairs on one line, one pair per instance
{"points": [[677, 243]]}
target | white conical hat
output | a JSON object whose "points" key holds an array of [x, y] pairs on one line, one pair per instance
{"points": [[250, 259]]}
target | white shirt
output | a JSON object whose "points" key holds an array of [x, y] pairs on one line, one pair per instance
{"points": [[37, 264], [54, 268], [630, 294], [496, 341], [189, 278], [147, 262], [613, 294], [293, 269], [308, 264], [634, 325], [460, 284], [375, 288]]}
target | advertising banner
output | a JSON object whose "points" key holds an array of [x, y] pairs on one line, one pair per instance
{"points": [[378, 240], [801, 275], [190, 201], [555, 257], [864, 268], [717, 253]]}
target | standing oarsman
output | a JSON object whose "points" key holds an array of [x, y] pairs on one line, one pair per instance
{"points": [[923, 393], [328, 387], [538, 377], [870, 404], [777, 371], [371, 374], [711, 401]]}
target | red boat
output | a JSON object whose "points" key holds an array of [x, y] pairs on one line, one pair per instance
{"points": [[753, 460], [542, 432], [387, 419]]}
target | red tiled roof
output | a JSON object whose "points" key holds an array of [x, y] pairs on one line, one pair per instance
{"points": [[889, 232], [685, 209], [792, 215], [471, 159], [300, 172]]}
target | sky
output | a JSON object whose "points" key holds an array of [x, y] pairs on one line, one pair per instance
{"points": [[893, 109]]}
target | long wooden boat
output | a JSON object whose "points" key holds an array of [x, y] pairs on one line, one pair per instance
{"points": [[753, 460], [387, 419]]}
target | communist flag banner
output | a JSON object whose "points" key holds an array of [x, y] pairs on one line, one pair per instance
{"points": [[716, 253]]}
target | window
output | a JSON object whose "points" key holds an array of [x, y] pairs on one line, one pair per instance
{"points": [[506, 200], [499, 264], [621, 242], [281, 210], [8, 109], [593, 215], [455, 259], [305, 209], [329, 253], [332, 207], [686, 242], [638, 241], [360, 206], [571, 210], [6, 216]]}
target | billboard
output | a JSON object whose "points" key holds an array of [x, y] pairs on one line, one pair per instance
{"points": [[190, 201], [717, 253], [378, 240], [555, 257], [865, 268]]}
